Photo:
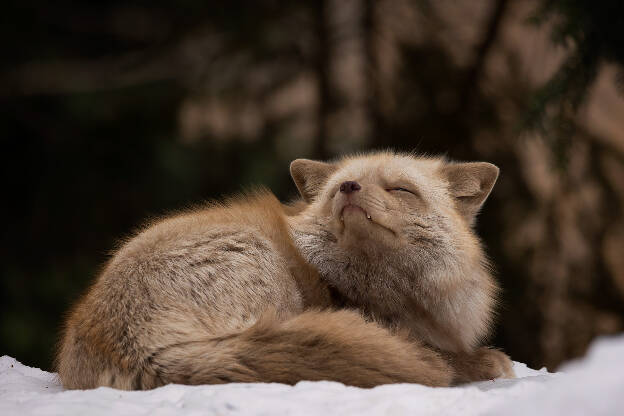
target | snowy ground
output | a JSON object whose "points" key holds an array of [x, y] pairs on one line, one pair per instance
{"points": [[592, 386]]}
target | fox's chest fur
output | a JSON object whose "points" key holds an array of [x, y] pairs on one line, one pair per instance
{"points": [[447, 305]]}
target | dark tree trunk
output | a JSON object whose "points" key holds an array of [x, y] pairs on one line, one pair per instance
{"points": [[322, 67], [373, 110]]}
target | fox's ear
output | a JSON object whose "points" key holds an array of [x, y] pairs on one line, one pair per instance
{"points": [[310, 176], [470, 184]]}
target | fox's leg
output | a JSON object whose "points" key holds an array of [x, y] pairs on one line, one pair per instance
{"points": [[482, 364]]}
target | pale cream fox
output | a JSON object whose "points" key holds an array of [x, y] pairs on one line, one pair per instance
{"points": [[378, 278]]}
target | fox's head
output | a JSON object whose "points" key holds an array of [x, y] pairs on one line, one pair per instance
{"points": [[392, 233]]}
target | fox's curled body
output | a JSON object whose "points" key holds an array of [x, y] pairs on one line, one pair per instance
{"points": [[364, 287]]}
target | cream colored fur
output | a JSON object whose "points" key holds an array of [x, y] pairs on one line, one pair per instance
{"points": [[416, 262], [250, 290]]}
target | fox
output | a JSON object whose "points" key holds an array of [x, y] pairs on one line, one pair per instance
{"points": [[374, 276]]}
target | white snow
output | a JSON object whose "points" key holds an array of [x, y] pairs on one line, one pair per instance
{"points": [[591, 386]]}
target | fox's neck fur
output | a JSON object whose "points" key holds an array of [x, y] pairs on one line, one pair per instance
{"points": [[431, 278]]}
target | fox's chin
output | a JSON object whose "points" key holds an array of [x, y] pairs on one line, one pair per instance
{"points": [[357, 228], [353, 218], [352, 209]]}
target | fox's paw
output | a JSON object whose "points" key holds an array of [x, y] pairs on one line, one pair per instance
{"points": [[494, 364], [482, 364]]}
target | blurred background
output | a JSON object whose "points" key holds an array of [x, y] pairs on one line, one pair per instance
{"points": [[112, 112]]}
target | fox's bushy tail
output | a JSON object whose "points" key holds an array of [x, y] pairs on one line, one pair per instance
{"points": [[318, 345]]}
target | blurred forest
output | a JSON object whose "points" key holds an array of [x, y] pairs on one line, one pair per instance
{"points": [[112, 112]]}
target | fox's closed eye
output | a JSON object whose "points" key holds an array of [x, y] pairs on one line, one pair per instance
{"points": [[399, 189]]}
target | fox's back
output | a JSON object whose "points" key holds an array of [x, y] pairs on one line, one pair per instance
{"points": [[211, 271]]}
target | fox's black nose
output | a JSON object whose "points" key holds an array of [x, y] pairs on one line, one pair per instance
{"points": [[349, 186]]}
